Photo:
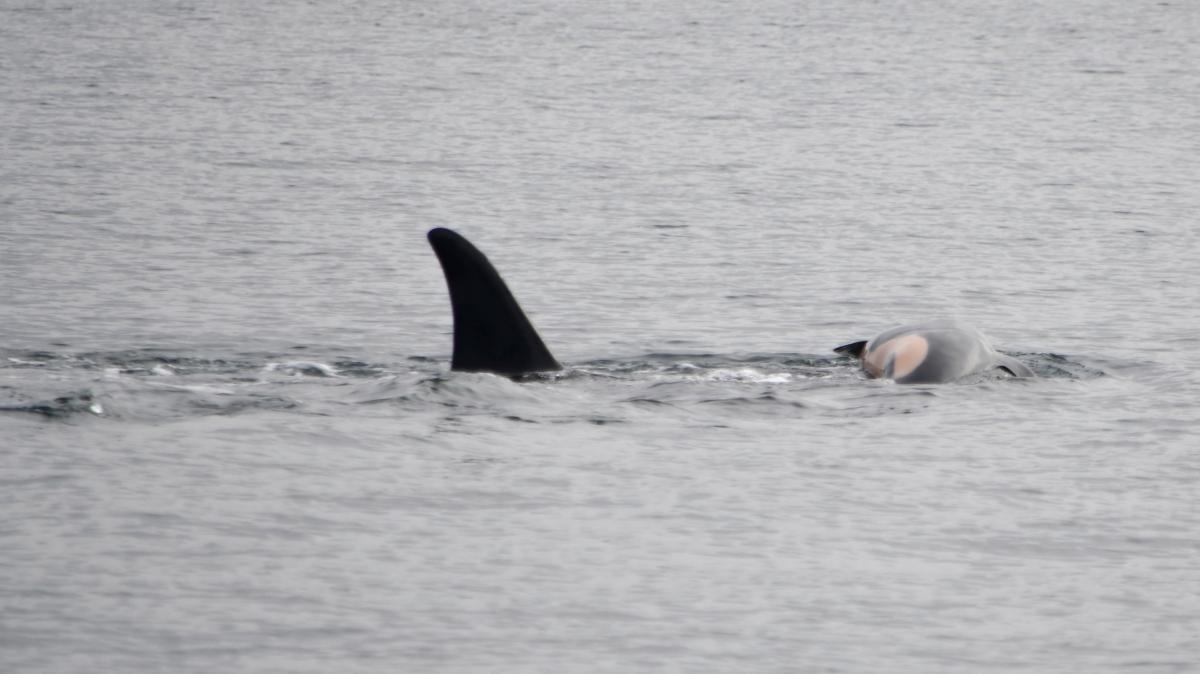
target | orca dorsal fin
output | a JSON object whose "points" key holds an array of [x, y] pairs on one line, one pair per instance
{"points": [[854, 349], [491, 333]]}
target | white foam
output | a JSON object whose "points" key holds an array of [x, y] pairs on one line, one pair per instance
{"points": [[303, 367]]}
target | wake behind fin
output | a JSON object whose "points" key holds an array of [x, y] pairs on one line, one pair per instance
{"points": [[491, 333]]}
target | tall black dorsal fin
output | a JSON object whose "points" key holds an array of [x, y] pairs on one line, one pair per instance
{"points": [[491, 333]]}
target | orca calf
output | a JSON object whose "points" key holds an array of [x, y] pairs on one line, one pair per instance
{"points": [[930, 353], [492, 334]]}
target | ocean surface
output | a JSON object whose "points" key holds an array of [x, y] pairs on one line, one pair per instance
{"points": [[230, 440]]}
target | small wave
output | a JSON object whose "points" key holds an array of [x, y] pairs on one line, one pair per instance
{"points": [[27, 363], [754, 367], [236, 404], [747, 375], [60, 407], [151, 361], [305, 368], [769, 399], [1057, 366], [358, 368]]}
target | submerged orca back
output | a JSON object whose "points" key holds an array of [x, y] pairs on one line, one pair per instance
{"points": [[491, 333]]}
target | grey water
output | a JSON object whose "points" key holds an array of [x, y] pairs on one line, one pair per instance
{"points": [[230, 439]]}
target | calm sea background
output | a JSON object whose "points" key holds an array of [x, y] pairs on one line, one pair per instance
{"points": [[229, 439]]}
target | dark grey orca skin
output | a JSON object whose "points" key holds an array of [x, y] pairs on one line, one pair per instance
{"points": [[930, 353], [491, 333]]}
